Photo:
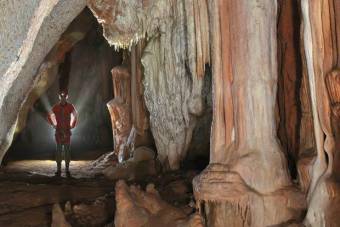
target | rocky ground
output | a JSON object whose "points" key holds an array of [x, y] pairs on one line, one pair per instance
{"points": [[30, 195]]}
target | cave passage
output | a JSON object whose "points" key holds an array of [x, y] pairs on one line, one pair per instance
{"points": [[82, 67]]}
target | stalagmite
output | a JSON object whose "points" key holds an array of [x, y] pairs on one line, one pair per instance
{"points": [[120, 110], [247, 182]]}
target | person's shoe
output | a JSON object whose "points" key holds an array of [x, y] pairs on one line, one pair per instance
{"points": [[58, 173], [68, 174]]}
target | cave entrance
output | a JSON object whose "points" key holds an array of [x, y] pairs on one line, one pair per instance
{"points": [[80, 62]]}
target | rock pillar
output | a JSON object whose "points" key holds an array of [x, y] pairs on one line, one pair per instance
{"points": [[120, 108], [247, 181]]}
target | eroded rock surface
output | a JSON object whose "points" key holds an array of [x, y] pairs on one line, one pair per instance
{"points": [[148, 209]]}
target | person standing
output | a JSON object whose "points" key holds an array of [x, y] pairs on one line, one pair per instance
{"points": [[63, 117]]}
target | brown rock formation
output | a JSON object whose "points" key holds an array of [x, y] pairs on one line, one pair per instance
{"points": [[120, 108], [306, 141], [321, 39], [140, 116], [138, 208], [130, 122], [307, 151], [140, 134], [247, 171], [96, 213], [289, 78]]}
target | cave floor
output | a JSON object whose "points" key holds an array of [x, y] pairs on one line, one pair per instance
{"points": [[78, 169], [29, 189]]}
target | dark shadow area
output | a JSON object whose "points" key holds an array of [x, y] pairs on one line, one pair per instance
{"points": [[199, 150]]}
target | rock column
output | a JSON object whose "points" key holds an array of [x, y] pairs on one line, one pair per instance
{"points": [[247, 182], [120, 108]]}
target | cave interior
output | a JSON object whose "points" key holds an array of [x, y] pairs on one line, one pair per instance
{"points": [[190, 113]]}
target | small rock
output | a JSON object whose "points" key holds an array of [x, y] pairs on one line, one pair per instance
{"points": [[143, 154]]}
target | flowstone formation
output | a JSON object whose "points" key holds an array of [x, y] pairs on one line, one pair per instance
{"points": [[174, 60], [247, 180], [321, 35]]}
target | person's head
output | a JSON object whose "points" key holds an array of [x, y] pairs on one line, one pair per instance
{"points": [[63, 96]]}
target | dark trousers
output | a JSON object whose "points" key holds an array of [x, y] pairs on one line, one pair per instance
{"points": [[63, 153]]}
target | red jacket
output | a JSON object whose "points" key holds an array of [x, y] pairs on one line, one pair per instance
{"points": [[60, 118]]}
